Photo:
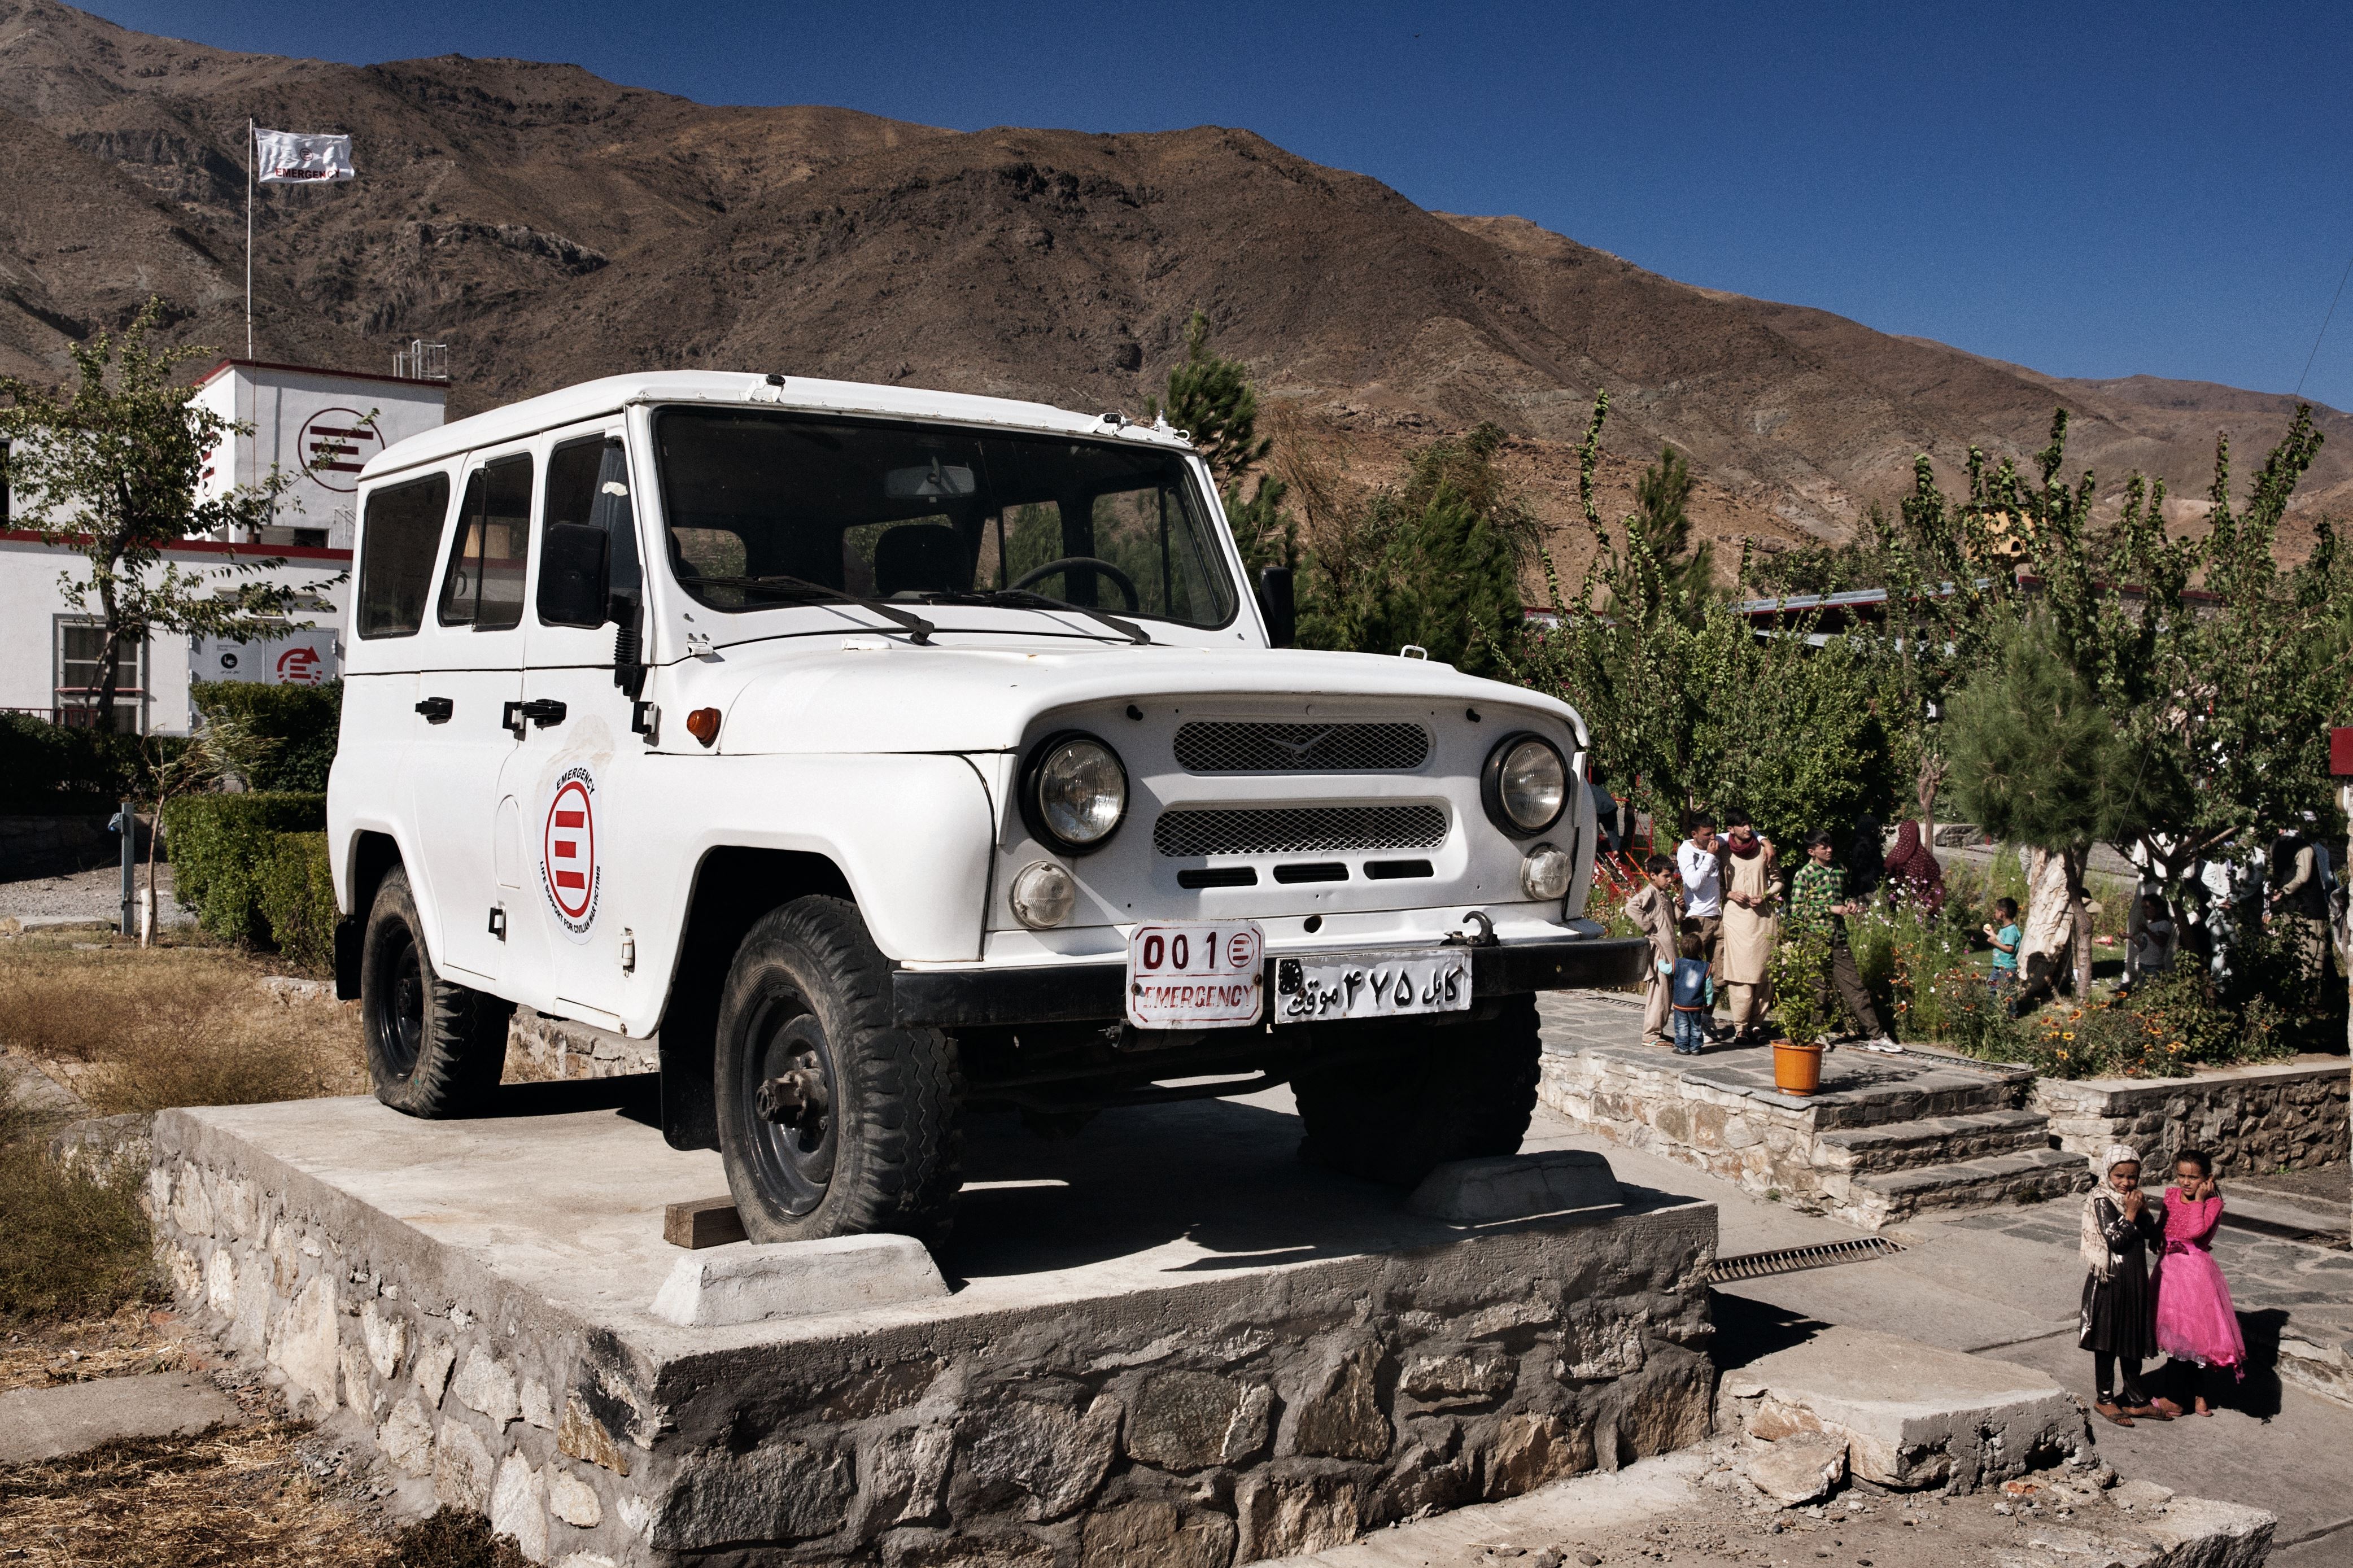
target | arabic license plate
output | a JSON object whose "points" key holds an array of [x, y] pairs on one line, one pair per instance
{"points": [[1322, 987], [1195, 975]]}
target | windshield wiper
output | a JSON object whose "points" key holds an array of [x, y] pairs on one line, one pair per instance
{"points": [[919, 630], [1127, 629]]}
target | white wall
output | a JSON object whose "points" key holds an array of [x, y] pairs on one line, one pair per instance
{"points": [[31, 599], [295, 413]]}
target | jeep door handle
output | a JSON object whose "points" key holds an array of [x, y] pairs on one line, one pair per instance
{"points": [[437, 709], [540, 711]]}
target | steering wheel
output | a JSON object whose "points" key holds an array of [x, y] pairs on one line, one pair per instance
{"points": [[1119, 579]]}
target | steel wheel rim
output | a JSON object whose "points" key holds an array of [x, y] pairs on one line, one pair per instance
{"points": [[793, 1164], [400, 1023]]}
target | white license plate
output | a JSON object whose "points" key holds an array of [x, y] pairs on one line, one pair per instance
{"points": [[1317, 987], [1195, 975]]}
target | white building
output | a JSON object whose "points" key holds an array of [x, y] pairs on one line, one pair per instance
{"points": [[319, 426]]}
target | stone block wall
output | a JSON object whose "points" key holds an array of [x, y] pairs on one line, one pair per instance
{"points": [[541, 1047], [1252, 1412], [2274, 1115]]}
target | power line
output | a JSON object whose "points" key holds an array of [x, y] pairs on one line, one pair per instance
{"points": [[2324, 326]]}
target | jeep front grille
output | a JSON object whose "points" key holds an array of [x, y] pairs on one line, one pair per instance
{"points": [[1298, 829], [1205, 747]]}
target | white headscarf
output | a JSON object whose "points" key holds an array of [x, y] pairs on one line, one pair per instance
{"points": [[2093, 1243]]}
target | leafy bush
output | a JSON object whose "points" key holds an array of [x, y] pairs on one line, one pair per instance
{"points": [[1800, 965], [48, 767], [298, 902], [220, 846], [293, 727]]}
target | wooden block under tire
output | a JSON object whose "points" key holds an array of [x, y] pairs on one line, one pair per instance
{"points": [[705, 1222]]}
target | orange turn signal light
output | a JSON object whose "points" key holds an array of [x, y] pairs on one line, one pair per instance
{"points": [[703, 725]]}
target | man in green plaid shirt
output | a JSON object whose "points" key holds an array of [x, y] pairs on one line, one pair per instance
{"points": [[1818, 902]]}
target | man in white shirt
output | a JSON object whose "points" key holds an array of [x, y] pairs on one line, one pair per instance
{"points": [[1700, 859]]}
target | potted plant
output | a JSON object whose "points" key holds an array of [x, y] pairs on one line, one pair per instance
{"points": [[1801, 964]]}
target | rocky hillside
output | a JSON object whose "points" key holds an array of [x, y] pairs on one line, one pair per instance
{"points": [[551, 227]]}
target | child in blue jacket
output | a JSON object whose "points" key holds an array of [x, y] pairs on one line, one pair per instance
{"points": [[1693, 997]]}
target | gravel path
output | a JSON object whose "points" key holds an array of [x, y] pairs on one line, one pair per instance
{"points": [[86, 895]]}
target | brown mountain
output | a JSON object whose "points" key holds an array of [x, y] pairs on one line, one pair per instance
{"points": [[552, 226]]}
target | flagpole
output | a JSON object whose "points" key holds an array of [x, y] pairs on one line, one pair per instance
{"points": [[249, 157]]}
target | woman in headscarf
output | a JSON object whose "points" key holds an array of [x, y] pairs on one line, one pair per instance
{"points": [[2121, 1225], [1913, 872]]}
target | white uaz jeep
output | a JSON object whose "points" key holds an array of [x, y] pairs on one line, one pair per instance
{"points": [[891, 752]]}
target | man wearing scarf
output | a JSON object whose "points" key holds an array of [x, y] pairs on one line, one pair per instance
{"points": [[1752, 902]]}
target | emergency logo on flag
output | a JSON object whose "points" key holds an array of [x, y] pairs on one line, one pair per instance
{"points": [[568, 872], [291, 158]]}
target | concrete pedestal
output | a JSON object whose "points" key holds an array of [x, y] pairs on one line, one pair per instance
{"points": [[1165, 1340]]}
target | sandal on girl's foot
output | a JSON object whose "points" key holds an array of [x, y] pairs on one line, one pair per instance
{"points": [[2110, 1412], [2147, 1413], [2204, 1408], [2165, 1407]]}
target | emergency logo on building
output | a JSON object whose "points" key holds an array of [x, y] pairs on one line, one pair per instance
{"points": [[568, 873], [335, 445]]}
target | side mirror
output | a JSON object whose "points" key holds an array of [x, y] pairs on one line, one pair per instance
{"points": [[572, 569], [1274, 602]]}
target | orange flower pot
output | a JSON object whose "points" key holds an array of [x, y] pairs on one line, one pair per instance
{"points": [[1796, 1069]]}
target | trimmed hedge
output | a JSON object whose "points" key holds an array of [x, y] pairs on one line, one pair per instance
{"points": [[298, 902], [298, 723], [222, 846], [47, 767]]}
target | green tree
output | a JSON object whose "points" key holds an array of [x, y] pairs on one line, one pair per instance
{"points": [[109, 469], [1432, 561], [1683, 694], [2039, 761], [1685, 579], [1211, 399]]}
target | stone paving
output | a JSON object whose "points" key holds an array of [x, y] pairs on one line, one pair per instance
{"points": [[1884, 1137]]}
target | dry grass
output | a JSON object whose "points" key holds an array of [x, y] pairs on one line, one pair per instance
{"points": [[137, 1031], [137, 1339], [236, 1497], [73, 1244]]}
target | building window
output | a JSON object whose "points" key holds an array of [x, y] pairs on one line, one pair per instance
{"points": [[81, 665]]}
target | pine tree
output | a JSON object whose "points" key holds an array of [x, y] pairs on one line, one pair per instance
{"points": [[1662, 518], [1210, 398]]}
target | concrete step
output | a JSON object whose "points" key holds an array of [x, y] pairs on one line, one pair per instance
{"points": [[1861, 1089], [2023, 1176], [1932, 1140]]}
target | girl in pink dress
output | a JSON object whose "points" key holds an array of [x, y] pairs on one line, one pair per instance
{"points": [[2196, 1324]]}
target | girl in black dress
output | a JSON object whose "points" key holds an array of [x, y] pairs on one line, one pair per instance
{"points": [[2122, 1227]]}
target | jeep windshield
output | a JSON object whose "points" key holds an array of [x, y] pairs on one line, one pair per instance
{"points": [[767, 509]]}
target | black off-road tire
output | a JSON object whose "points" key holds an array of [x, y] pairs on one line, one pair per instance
{"points": [[435, 1050], [1462, 1092], [809, 992]]}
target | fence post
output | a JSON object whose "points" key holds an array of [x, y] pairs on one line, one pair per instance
{"points": [[129, 819]]}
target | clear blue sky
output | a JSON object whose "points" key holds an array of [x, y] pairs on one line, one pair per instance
{"points": [[2093, 190]]}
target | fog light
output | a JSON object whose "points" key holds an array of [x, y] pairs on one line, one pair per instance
{"points": [[1546, 873], [1044, 894]]}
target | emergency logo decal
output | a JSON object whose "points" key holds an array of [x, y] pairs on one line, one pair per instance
{"points": [[568, 872]]}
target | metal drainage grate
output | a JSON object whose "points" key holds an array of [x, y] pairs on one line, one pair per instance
{"points": [[1791, 1259], [1203, 747], [1298, 829]]}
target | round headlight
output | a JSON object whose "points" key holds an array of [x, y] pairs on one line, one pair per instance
{"points": [[1546, 872], [1042, 895], [1525, 784], [1077, 792]]}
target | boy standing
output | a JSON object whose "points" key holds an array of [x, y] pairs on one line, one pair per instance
{"points": [[1655, 908], [2006, 939], [1693, 997], [1818, 902]]}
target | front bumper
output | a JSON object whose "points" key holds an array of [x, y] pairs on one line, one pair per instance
{"points": [[1089, 993]]}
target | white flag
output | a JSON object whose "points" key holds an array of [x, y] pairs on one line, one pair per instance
{"points": [[291, 158]]}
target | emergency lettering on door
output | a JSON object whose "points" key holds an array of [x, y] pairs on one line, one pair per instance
{"points": [[568, 872]]}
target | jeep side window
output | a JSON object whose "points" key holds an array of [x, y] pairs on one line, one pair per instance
{"points": [[588, 482], [396, 550], [484, 585]]}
